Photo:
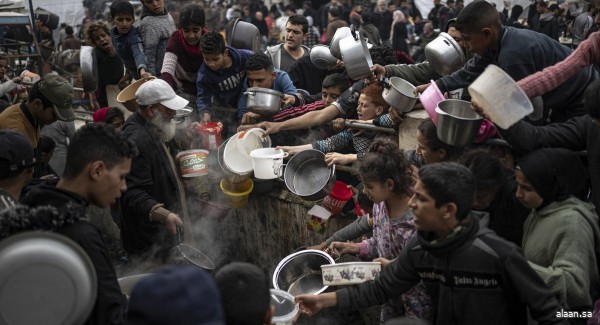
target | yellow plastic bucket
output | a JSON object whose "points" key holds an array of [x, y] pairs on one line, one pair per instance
{"points": [[236, 195]]}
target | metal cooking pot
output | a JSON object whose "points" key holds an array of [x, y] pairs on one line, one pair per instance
{"points": [[300, 272], [264, 101], [45, 278], [307, 175], [183, 118], [457, 123], [243, 35], [89, 69], [444, 54], [399, 94], [340, 34], [321, 57], [356, 57]]}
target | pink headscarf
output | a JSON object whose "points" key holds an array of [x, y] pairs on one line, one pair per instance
{"points": [[398, 18]]}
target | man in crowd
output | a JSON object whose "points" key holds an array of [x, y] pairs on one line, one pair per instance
{"points": [[285, 54], [155, 203], [50, 99], [16, 166], [382, 18], [98, 160]]}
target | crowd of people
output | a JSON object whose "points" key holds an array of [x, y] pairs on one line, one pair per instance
{"points": [[499, 231]]}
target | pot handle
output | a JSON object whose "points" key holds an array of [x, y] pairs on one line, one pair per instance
{"points": [[332, 171], [279, 172]]}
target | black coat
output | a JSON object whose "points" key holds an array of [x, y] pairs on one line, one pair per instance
{"points": [[150, 182], [110, 303]]}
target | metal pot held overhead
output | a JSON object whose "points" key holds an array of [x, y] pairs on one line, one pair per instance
{"points": [[399, 94], [89, 69], [243, 35], [356, 57], [444, 54], [264, 101], [340, 34]]}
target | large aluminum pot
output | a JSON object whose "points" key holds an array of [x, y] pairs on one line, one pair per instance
{"points": [[444, 54], [356, 57], [243, 35], [399, 94], [457, 123], [264, 101], [45, 278], [300, 272], [89, 69], [340, 34], [307, 175], [321, 57]]}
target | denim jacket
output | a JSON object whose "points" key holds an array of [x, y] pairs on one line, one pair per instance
{"points": [[131, 50]]}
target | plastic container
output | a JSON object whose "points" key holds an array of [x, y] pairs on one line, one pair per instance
{"points": [[430, 99], [193, 163], [210, 134], [267, 162], [252, 139], [285, 307], [317, 219], [500, 97], [236, 195], [337, 198], [236, 156], [349, 273]]}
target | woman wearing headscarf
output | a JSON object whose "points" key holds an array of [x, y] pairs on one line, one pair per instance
{"points": [[399, 33], [561, 239]]}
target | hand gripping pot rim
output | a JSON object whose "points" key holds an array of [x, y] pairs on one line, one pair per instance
{"points": [[193, 163]]}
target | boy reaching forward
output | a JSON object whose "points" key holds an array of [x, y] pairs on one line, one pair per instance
{"points": [[474, 276]]}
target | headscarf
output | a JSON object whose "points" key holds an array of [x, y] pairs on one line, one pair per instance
{"points": [[555, 173], [398, 18]]}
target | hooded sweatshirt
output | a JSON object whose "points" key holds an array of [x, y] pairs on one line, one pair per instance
{"points": [[561, 238], [69, 219], [155, 30]]}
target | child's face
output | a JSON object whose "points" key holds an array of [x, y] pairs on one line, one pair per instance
{"points": [[3, 68], [156, 6], [192, 34], [123, 22], [429, 155], [526, 193], [330, 95], [377, 191], [214, 61], [427, 216], [102, 40], [366, 109]]}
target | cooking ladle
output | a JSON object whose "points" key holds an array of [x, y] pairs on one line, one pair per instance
{"points": [[193, 255]]}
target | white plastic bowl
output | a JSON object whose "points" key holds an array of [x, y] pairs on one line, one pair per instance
{"points": [[285, 307], [500, 97], [236, 155], [349, 273]]}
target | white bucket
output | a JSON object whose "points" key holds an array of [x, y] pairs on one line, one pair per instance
{"points": [[500, 97], [267, 162]]}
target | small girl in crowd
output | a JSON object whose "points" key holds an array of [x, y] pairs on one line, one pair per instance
{"points": [[156, 26], [183, 56], [386, 176], [370, 105]]}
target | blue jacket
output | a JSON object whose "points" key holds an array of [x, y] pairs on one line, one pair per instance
{"points": [[282, 83], [224, 85], [130, 49]]}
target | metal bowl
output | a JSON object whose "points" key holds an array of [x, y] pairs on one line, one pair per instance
{"points": [[300, 273], [264, 101], [45, 278], [444, 54], [340, 34], [307, 175], [457, 123], [321, 57]]}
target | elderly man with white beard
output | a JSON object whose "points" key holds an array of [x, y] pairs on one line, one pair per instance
{"points": [[154, 204]]}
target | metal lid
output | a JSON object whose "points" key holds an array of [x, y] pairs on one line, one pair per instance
{"points": [[45, 278]]}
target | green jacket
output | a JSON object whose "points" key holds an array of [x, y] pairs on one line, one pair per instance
{"points": [[560, 241], [416, 74]]}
